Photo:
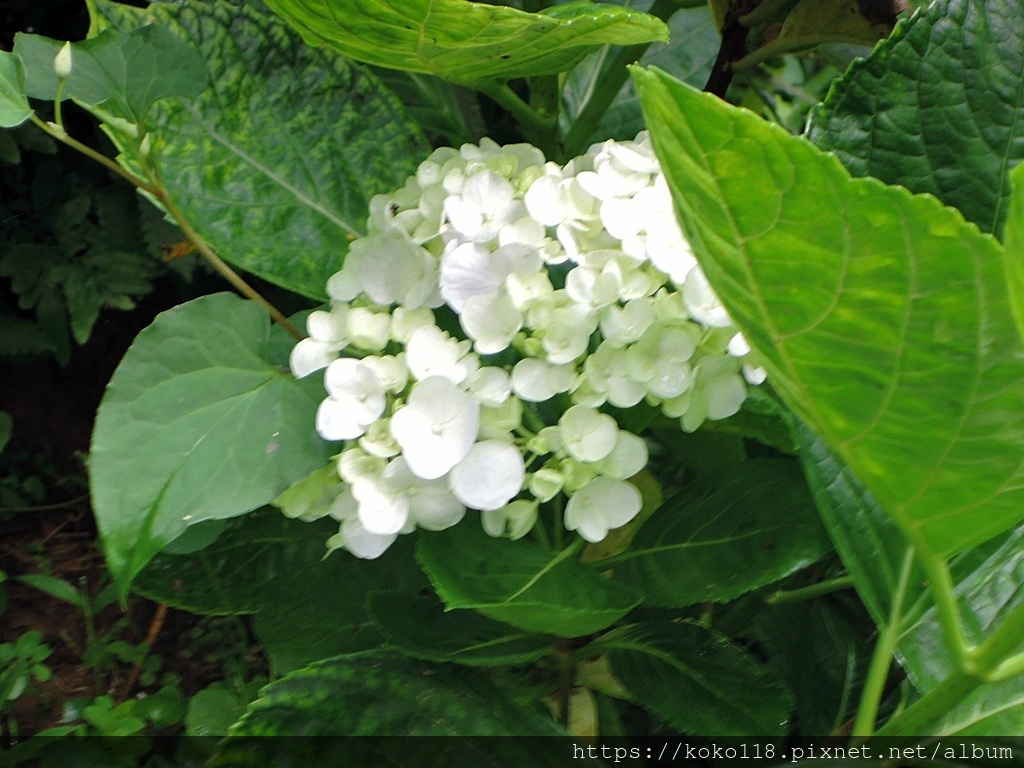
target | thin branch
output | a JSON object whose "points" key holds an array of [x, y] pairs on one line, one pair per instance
{"points": [[733, 48]]}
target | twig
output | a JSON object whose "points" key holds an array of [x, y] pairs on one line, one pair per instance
{"points": [[154, 631], [733, 48]]}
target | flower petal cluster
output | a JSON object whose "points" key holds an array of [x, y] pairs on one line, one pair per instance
{"points": [[494, 281]]}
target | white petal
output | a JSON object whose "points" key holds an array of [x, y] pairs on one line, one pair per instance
{"points": [[530, 380], [600, 505], [436, 428], [491, 321], [467, 271], [362, 543], [434, 507], [381, 511], [588, 435], [310, 355], [491, 386], [490, 475], [702, 301], [725, 397], [336, 421], [628, 457]]}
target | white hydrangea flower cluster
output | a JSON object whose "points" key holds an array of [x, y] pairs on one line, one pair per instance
{"points": [[569, 281]]}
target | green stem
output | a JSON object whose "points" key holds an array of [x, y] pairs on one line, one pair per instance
{"points": [[57, 103], [809, 593], [558, 523], [920, 717], [881, 661], [60, 135], [565, 679], [992, 659], [941, 585], [222, 267], [531, 120], [613, 76]]}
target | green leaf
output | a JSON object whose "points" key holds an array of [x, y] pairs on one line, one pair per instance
{"points": [[467, 42], [383, 694], [521, 583], [698, 682], [419, 627], [274, 164], [274, 567], [57, 588], [821, 650], [196, 425], [872, 548], [689, 53], [883, 318], [1013, 238], [936, 107], [14, 108], [732, 531], [212, 711], [126, 73]]}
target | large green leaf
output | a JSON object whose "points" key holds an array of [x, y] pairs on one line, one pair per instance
{"points": [[936, 107], [125, 72], [385, 694], [821, 650], [196, 425], [731, 531], [873, 548], [697, 681], [883, 318], [521, 583], [467, 42], [275, 162], [419, 626], [691, 50], [14, 108], [306, 608], [1013, 239]]}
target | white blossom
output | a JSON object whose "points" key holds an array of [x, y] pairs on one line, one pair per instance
{"points": [[600, 505], [490, 476], [436, 428]]}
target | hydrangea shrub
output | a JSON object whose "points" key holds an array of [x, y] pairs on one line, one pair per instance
{"points": [[640, 432]]}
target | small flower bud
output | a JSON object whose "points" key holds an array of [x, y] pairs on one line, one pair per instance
{"points": [[62, 62]]}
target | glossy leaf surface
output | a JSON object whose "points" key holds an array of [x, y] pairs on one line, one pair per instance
{"points": [[463, 41], [274, 164], [521, 583], [883, 317], [697, 681], [419, 626], [731, 531], [196, 424], [936, 108]]}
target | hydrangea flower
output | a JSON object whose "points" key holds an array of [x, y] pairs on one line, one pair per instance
{"points": [[491, 282]]}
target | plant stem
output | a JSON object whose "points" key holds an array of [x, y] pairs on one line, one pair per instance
{"points": [[941, 585], [613, 76], [732, 49], [60, 135], [807, 593], [881, 661], [57, 103], [531, 120], [227, 272], [992, 658], [565, 678]]}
